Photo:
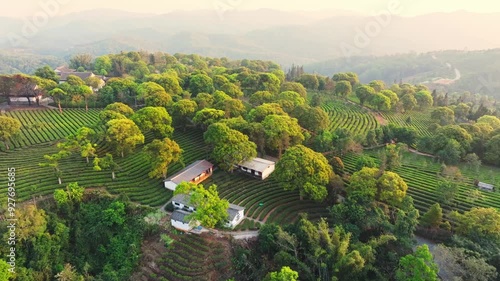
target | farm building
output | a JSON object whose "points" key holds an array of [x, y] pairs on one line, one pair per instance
{"points": [[236, 215], [257, 167], [181, 201], [194, 173], [485, 186], [180, 221]]}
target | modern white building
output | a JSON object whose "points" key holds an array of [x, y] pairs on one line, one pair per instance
{"points": [[257, 167], [236, 215]]}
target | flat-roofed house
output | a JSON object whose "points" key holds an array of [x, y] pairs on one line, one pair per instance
{"points": [[485, 186], [194, 173], [180, 221], [181, 202], [236, 215], [257, 167]]}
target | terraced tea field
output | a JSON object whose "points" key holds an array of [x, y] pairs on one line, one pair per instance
{"points": [[422, 182], [420, 120], [46, 125], [349, 116], [264, 200]]}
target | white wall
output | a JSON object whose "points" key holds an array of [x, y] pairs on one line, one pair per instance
{"points": [[180, 225], [236, 221], [178, 205], [170, 185], [267, 172]]}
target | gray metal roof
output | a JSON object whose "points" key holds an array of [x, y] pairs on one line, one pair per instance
{"points": [[190, 172], [233, 210], [182, 198], [179, 215], [257, 164]]}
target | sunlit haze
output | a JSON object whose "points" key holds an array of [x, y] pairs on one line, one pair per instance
{"points": [[26, 8]]}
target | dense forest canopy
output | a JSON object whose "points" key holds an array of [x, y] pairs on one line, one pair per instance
{"points": [[244, 108]]}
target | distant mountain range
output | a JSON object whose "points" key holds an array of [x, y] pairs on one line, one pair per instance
{"points": [[406, 48], [285, 37]]}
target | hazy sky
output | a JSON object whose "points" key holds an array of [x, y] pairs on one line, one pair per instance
{"points": [[27, 8]]}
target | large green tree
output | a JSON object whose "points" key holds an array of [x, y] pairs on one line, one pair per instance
{"points": [[259, 113], [409, 102], [123, 135], [381, 102], [478, 223], [169, 81], [154, 119], [200, 83], [493, 121], [393, 97], [183, 111], [103, 65], [377, 85], [302, 168], [211, 210], [121, 108], [208, 116], [47, 72], [281, 132], [443, 116], [343, 88], [261, 97], [314, 119], [295, 87], [418, 266], [162, 153], [433, 218], [153, 94], [230, 147], [285, 274], [365, 94], [373, 184], [9, 127], [424, 99]]}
